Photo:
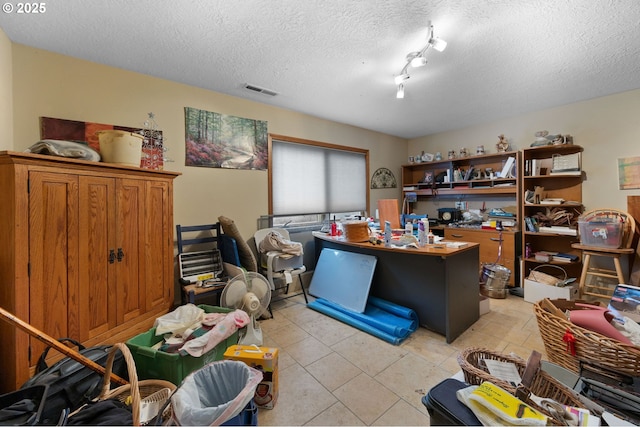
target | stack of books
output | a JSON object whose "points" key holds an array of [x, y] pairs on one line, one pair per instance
{"points": [[559, 257], [565, 258]]}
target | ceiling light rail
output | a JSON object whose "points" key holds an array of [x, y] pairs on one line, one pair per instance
{"points": [[417, 59]]}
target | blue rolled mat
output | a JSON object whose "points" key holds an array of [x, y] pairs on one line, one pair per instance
{"points": [[381, 318], [343, 317], [396, 309]]}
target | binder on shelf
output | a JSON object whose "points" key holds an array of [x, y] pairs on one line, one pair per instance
{"points": [[508, 165], [532, 224], [535, 167]]}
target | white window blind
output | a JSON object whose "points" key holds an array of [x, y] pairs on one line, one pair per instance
{"points": [[316, 179]]}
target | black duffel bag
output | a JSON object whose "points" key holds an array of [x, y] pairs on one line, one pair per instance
{"points": [[70, 383]]}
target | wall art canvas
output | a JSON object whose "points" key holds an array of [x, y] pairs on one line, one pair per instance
{"points": [[629, 173], [73, 130], [221, 141]]}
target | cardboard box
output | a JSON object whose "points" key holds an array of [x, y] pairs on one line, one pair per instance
{"points": [[485, 307], [264, 359], [535, 291]]}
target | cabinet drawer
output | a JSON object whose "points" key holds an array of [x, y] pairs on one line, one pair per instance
{"points": [[489, 241]]}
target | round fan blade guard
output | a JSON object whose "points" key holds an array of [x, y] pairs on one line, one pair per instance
{"points": [[242, 288]]}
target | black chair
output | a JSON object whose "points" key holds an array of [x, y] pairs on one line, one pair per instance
{"points": [[202, 250]]}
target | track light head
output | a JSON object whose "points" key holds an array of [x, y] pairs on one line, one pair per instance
{"points": [[438, 44], [418, 61], [400, 92], [401, 77]]}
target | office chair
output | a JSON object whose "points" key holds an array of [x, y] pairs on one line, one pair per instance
{"points": [[414, 218], [280, 268]]}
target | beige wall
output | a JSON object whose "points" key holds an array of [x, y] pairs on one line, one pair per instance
{"points": [[608, 128], [6, 93], [48, 84]]}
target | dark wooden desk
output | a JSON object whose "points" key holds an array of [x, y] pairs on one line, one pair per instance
{"points": [[440, 284]]}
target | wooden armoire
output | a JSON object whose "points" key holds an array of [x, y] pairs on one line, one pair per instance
{"points": [[86, 252]]}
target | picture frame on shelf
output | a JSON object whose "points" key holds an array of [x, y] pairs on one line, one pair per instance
{"points": [[427, 157], [428, 178]]}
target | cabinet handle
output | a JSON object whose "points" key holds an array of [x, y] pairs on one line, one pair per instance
{"points": [[112, 256], [457, 236], [120, 254], [496, 239]]}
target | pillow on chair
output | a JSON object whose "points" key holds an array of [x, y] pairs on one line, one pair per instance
{"points": [[247, 259]]}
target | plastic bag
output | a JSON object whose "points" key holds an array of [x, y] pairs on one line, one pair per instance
{"points": [[215, 393], [179, 320]]}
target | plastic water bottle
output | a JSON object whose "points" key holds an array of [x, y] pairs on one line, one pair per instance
{"points": [[408, 228], [422, 237], [387, 234]]}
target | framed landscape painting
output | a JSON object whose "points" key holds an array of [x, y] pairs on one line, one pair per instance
{"points": [[221, 141]]}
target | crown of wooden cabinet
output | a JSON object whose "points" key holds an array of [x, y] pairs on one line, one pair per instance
{"points": [[86, 253]]}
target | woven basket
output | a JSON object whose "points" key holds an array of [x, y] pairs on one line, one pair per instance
{"points": [[590, 347], [543, 385], [133, 393], [356, 231]]}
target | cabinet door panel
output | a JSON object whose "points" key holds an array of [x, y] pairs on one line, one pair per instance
{"points": [[97, 301], [53, 253], [129, 243], [158, 250], [490, 247]]}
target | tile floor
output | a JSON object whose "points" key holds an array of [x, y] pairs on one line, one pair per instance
{"points": [[334, 375]]}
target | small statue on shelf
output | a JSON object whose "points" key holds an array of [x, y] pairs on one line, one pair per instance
{"points": [[502, 145]]}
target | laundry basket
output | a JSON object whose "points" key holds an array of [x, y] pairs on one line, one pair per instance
{"points": [[471, 361], [590, 346]]}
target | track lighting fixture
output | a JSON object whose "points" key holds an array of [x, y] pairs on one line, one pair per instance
{"points": [[418, 59]]}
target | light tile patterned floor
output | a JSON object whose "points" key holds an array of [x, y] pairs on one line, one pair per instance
{"points": [[333, 374]]}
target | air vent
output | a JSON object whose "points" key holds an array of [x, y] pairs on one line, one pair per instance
{"points": [[260, 90]]}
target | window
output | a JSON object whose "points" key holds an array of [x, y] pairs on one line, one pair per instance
{"points": [[308, 178]]}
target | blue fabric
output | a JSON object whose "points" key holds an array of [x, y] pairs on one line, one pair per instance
{"points": [[383, 319]]}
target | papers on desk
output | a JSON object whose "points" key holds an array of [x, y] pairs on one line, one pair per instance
{"points": [[456, 245]]}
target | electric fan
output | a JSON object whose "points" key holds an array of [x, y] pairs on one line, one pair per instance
{"points": [[251, 293]]}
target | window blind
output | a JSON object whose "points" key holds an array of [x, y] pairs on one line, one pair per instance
{"points": [[315, 179]]}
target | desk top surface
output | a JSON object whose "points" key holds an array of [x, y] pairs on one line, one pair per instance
{"points": [[438, 249]]}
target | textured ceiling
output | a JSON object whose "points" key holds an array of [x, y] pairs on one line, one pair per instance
{"points": [[336, 59]]}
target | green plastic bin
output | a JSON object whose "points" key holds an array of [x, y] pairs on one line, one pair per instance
{"points": [[160, 365]]}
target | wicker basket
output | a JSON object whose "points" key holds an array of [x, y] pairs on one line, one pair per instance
{"points": [[543, 385], [134, 392], [590, 347]]}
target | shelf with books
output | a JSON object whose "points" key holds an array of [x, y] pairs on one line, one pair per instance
{"points": [[551, 205]]}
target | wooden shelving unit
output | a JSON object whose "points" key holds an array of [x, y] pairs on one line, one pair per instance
{"points": [[567, 187], [414, 176], [478, 186]]}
